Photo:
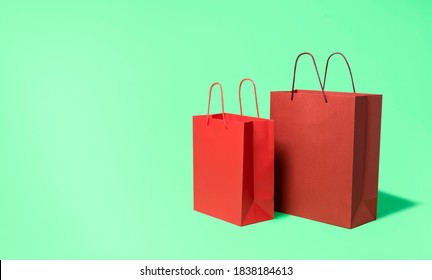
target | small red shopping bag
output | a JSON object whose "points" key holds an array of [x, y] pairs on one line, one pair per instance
{"points": [[327, 153], [233, 164]]}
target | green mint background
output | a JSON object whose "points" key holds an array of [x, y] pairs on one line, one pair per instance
{"points": [[96, 106]]}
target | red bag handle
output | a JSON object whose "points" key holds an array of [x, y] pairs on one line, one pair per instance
{"points": [[316, 69], [256, 99], [349, 69], [222, 99]]}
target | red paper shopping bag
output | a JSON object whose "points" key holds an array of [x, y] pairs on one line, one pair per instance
{"points": [[233, 162], [326, 153]]}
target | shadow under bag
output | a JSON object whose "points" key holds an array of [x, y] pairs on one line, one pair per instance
{"points": [[327, 153]]}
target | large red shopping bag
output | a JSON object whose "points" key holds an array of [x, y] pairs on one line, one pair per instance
{"points": [[327, 152], [233, 164]]}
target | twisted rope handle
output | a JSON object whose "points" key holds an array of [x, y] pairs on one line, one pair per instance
{"points": [[239, 95], [316, 69], [349, 69], [222, 99]]}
